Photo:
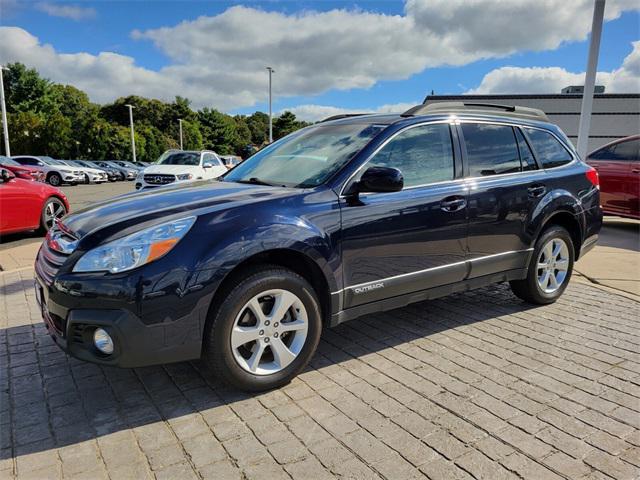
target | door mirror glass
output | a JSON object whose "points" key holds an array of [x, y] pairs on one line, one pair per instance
{"points": [[6, 175], [381, 179]]}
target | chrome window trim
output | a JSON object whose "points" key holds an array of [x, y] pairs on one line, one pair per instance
{"points": [[439, 267], [457, 121]]}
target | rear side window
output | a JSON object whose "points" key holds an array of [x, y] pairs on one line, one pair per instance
{"points": [[526, 156], [491, 149], [547, 148], [423, 154], [628, 151]]}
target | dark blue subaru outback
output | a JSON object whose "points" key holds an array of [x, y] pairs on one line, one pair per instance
{"points": [[347, 217]]}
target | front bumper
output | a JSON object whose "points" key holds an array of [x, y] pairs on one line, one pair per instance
{"points": [[136, 344]]}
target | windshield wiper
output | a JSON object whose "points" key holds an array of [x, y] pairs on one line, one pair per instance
{"points": [[255, 181]]}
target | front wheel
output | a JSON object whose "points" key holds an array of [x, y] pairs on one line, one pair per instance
{"points": [[51, 211], [55, 179], [264, 331], [550, 268]]}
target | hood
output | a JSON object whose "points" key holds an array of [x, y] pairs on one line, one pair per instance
{"points": [[64, 168], [194, 198], [172, 169], [93, 171]]}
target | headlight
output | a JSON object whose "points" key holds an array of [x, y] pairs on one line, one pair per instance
{"points": [[136, 249], [184, 176]]}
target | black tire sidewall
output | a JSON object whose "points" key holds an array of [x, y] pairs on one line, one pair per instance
{"points": [[532, 275], [55, 175], [218, 351]]}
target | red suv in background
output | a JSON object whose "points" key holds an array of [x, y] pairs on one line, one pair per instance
{"points": [[22, 171], [618, 164]]}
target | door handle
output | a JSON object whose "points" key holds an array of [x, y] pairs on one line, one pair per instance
{"points": [[453, 204], [536, 190], [635, 170]]}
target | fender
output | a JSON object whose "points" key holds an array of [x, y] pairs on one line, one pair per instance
{"points": [[553, 203]]}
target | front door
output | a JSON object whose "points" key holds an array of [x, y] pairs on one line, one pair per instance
{"points": [[402, 242]]}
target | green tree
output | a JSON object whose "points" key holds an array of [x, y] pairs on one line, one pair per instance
{"points": [[219, 131], [285, 124], [258, 124], [25, 89]]}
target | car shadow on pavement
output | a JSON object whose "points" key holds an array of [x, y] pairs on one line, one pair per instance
{"points": [[50, 400], [620, 233]]}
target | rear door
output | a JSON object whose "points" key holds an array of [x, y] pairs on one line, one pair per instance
{"points": [[629, 153], [504, 184]]}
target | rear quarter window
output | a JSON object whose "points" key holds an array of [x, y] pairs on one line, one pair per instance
{"points": [[547, 148]]}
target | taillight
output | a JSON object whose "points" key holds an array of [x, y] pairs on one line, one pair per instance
{"points": [[592, 176]]}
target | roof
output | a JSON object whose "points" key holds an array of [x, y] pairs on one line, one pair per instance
{"points": [[502, 97]]}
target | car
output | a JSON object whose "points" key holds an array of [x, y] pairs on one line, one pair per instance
{"points": [[618, 164], [181, 166], [91, 174], [22, 171], [230, 161], [28, 205], [113, 175], [337, 220], [125, 172], [125, 164], [56, 172], [140, 164]]}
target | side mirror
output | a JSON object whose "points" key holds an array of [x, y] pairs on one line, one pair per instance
{"points": [[6, 175], [381, 179]]}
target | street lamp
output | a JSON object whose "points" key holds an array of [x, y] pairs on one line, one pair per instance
{"points": [[133, 140], [5, 127], [271, 72], [180, 124]]}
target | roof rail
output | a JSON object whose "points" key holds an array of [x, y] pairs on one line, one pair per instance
{"points": [[473, 107], [342, 115]]}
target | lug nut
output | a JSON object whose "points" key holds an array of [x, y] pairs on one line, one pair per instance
{"points": [[276, 324], [261, 332], [275, 335], [267, 323], [266, 340]]}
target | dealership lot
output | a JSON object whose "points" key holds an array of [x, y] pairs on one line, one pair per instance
{"points": [[477, 385]]}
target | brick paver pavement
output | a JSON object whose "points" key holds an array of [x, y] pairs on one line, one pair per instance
{"points": [[477, 385]]}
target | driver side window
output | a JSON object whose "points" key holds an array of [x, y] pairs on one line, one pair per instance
{"points": [[423, 154]]}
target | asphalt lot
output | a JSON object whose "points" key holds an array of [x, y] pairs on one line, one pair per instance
{"points": [[476, 385]]}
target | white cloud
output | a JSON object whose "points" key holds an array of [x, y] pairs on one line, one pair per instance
{"points": [[73, 12], [313, 113], [625, 79], [219, 60]]}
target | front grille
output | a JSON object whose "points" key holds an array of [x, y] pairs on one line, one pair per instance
{"points": [[159, 179], [55, 250], [77, 333]]}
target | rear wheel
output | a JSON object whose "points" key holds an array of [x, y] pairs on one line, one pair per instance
{"points": [[54, 179], [52, 210], [550, 268], [264, 331]]}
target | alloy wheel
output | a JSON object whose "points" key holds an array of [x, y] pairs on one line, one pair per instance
{"points": [[553, 265], [54, 209], [269, 332]]}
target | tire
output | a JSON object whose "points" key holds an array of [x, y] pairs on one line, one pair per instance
{"points": [[545, 284], [54, 179], [53, 208], [264, 286]]}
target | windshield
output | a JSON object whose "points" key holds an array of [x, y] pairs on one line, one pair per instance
{"points": [[179, 158], [306, 158], [128, 164], [9, 161]]}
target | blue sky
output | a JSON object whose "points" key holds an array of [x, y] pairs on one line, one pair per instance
{"points": [[107, 26]]}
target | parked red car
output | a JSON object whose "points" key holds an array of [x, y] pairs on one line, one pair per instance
{"points": [[28, 205], [22, 171], [618, 164]]}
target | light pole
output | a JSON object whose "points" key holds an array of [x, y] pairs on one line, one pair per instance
{"points": [[271, 72], [590, 79], [5, 127], [133, 140], [180, 124]]}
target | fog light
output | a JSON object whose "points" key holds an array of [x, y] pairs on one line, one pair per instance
{"points": [[103, 342]]}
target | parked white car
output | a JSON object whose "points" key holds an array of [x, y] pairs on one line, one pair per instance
{"points": [[91, 175], [56, 171], [179, 166]]}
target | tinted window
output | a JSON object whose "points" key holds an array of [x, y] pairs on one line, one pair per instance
{"points": [[603, 153], [547, 148], [28, 161], [423, 154], [526, 157], [491, 149], [628, 151]]}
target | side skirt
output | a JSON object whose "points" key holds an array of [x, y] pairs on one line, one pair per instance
{"points": [[422, 295]]}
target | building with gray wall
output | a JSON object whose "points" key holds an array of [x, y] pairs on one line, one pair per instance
{"points": [[615, 115]]}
